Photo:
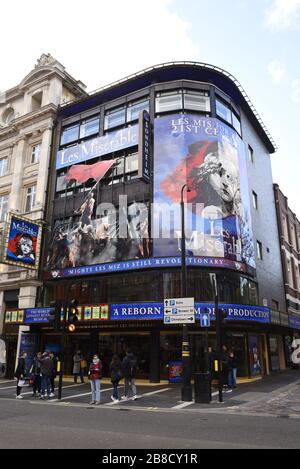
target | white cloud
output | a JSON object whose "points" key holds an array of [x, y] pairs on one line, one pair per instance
{"points": [[97, 41], [277, 71], [283, 13]]}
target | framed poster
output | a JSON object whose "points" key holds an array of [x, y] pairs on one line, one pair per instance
{"points": [[23, 241]]}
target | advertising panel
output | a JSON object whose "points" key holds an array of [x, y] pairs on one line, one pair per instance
{"points": [[22, 246], [254, 355], [209, 158]]}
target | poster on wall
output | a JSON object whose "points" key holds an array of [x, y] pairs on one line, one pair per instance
{"points": [[23, 240], [254, 355], [209, 158]]}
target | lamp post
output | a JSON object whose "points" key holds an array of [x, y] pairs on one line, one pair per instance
{"points": [[186, 390]]}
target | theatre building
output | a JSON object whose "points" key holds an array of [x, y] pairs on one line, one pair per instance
{"points": [[122, 158]]}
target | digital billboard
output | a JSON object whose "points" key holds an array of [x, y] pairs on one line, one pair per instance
{"points": [[208, 157]]}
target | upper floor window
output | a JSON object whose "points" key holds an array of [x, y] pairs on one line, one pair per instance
{"points": [[236, 123], [30, 198], [134, 108], [114, 118], [196, 101], [223, 110], [259, 250], [168, 101], [3, 207], [250, 154], [89, 127], [69, 134], [3, 166], [254, 200], [35, 153], [36, 101]]}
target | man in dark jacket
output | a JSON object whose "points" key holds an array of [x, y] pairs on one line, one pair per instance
{"points": [[20, 374], [232, 369], [36, 372], [47, 371], [129, 369]]}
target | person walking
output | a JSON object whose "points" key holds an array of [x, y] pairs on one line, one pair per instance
{"points": [[129, 369], [35, 370], [224, 366], [232, 370], [54, 371], [95, 375], [116, 376], [20, 374], [47, 371], [77, 370]]}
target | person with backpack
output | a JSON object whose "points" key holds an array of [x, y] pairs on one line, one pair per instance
{"points": [[95, 375], [35, 371], [129, 369], [116, 376], [20, 374]]}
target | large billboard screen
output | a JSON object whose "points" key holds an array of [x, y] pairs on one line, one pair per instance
{"points": [[208, 157]]}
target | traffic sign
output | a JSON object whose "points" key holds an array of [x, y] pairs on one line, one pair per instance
{"points": [[204, 320], [179, 311]]}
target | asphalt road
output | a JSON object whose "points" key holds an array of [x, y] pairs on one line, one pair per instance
{"points": [[28, 424]]}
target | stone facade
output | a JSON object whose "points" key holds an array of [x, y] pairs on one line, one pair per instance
{"points": [[27, 121]]}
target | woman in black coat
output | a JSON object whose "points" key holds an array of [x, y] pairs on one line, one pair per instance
{"points": [[20, 373]]}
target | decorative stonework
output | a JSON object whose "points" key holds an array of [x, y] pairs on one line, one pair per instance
{"points": [[45, 59]]}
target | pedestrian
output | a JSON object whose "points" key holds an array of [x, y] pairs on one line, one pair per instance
{"points": [[20, 374], [116, 376], [232, 370], [129, 369], [95, 375], [35, 370], [77, 369], [47, 371], [54, 371], [224, 366]]}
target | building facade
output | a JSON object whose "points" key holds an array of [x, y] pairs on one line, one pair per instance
{"points": [[121, 159], [289, 234], [27, 119]]}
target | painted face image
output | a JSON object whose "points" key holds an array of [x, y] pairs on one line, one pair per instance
{"points": [[26, 246], [225, 180]]}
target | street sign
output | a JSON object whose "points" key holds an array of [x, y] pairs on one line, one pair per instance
{"points": [[204, 320], [179, 311]]}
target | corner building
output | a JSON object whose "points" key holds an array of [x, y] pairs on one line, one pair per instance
{"points": [[199, 128]]}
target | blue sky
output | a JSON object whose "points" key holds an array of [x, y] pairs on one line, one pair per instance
{"points": [[98, 42]]}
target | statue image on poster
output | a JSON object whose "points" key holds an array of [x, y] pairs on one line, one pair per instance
{"points": [[207, 156]]}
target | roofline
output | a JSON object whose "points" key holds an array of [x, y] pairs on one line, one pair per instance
{"points": [[197, 64]]}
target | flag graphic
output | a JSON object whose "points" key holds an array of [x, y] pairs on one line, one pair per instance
{"points": [[83, 172]]}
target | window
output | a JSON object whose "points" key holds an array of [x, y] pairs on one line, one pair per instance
{"points": [[254, 199], [131, 163], [3, 166], [35, 153], [36, 101], [30, 198], [223, 111], [69, 134], [259, 250], [114, 118], [3, 207], [170, 101], [250, 154], [196, 101], [89, 127], [236, 123], [134, 109]]}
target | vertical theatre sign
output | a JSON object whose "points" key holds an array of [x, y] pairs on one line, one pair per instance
{"points": [[22, 243], [144, 146]]}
